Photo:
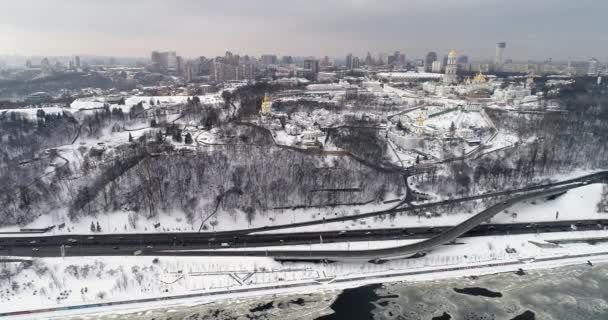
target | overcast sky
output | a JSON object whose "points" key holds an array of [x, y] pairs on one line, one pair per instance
{"points": [[536, 29]]}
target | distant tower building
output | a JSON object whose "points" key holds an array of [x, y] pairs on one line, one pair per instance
{"points": [[245, 71], [28, 63], [77, 62], [391, 61], [223, 72], [451, 68], [500, 50], [430, 58], [325, 62], [401, 59], [349, 61], [369, 61], [437, 66], [171, 58], [268, 59], [286, 60], [179, 64], [155, 57], [162, 60], [312, 66], [189, 71], [356, 63], [382, 58], [266, 104], [397, 59], [228, 57], [594, 67], [463, 59]]}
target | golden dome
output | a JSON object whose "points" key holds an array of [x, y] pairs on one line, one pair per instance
{"points": [[480, 77], [267, 104], [420, 119], [452, 54]]}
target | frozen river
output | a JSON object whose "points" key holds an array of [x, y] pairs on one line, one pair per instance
{"points": [[579, 292]]}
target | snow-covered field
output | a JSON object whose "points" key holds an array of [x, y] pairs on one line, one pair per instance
{"points": [[119, 222], [88, 104], [53, 282], [73, 281], [576, 204], [98, 102]]}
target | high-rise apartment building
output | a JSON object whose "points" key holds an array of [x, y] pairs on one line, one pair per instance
{"points": [[500, 51], [312, 68], [430, 58]]}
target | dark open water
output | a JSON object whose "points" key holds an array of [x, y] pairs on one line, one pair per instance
{"points": [[569, 293]]}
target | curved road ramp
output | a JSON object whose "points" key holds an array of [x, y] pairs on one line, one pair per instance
{"points": [[405, 251]]}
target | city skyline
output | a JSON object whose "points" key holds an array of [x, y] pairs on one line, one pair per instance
{"points": [[532, 30]]}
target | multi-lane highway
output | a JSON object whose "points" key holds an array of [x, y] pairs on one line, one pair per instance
{"points": [[586, 179], [441, 238], [154, 244], [167, 243]]}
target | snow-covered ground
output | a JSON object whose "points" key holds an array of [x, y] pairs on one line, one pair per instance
{"points": [[576, 204], [119, 222], [52, 282], [86, 104], [501, 141], [72, 281], [98, 102]]}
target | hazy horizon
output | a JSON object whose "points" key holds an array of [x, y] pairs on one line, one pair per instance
{"points": [[538, 30]]}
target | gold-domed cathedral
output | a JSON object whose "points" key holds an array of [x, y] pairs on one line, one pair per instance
{"points": [[451, 68], [480, 78], [479, 86], [266, 104]]}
